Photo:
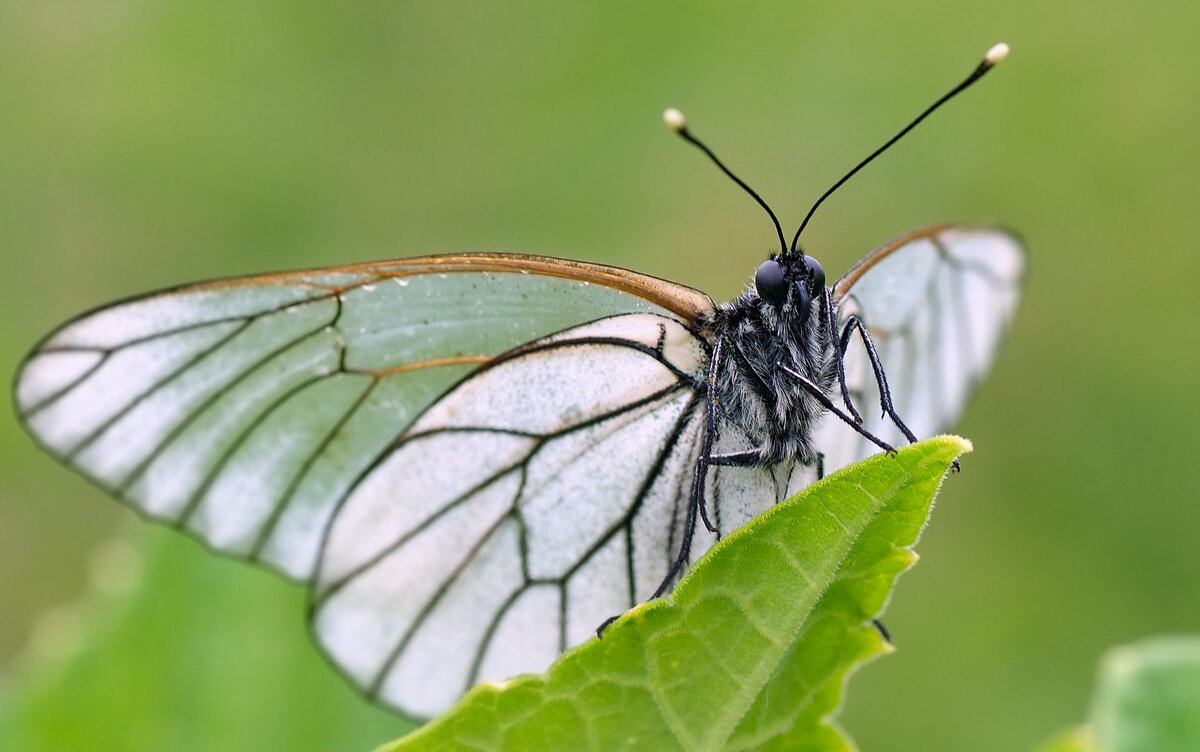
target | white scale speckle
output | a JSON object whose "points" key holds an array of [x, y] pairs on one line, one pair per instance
{"points": [[400, 281], [368, 288]]}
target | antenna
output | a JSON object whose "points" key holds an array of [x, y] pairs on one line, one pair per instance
{"points": [[990, 60], [678, 123]]}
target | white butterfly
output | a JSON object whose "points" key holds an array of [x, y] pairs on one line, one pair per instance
{"points": [[474, 459]]}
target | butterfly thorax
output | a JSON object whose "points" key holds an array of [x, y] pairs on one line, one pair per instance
{"points": [[756, 395]]}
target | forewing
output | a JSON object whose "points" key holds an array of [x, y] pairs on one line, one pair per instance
{"points": [[244, 410], [534, 500], [937, 303]]}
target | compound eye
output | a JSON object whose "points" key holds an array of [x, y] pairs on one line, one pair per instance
{"points": [[770, 283], [816, 275]]}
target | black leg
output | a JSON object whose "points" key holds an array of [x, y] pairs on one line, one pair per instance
{"points": [[696, 507], [839, 355], [816, 392], [600, 629], [736, 459], [885, 393], [882, 630], [710, 426], [695, 502]]}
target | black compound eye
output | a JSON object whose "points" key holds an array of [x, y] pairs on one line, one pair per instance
{"points": [[816, 275], [770, 282]]}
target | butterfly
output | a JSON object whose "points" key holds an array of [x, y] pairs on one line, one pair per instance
{"points": [[472, 460]]}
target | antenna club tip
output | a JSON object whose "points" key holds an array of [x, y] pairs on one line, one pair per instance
{"points": [[996, 54], [674, 119]]}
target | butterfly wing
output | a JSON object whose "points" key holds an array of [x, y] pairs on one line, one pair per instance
{"points": [[243, 411], [936, 302], [534, 500]]}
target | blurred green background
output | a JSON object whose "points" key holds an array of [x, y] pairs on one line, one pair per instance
{"points": [[145, 143]]}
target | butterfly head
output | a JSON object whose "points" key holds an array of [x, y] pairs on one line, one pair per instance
{"points": [[790, 281]]}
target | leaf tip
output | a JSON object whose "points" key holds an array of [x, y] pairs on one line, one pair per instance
{"points": [[954, 442]]}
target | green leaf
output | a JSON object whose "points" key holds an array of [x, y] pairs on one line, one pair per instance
{"points": [[1149, 697], [1148, 700], [751, 650], [183, 651]]}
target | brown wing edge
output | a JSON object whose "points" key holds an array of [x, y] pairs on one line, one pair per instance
{"points": [[688, 303], [847, 280]]}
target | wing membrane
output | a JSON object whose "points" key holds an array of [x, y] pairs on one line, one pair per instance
{"points": [[244, 410], [936, 302], [475, 550]]}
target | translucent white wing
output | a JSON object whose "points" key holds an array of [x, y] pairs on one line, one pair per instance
{"points": [[243, 411], [544, 494], [936, 302], [522, 509]]}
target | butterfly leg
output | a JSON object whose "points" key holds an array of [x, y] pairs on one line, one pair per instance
{"points": [[695, 504], [710, 431], [694, 507], [882, 630], [697, 508], [747, 458], [885, 393], [816, 392], [839, 350]]}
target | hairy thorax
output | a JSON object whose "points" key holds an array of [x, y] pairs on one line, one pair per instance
{"points": [[756, 396]]}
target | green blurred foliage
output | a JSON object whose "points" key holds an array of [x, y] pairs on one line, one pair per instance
{"points": [[1148, 699], [145, 143], [1078, 739], [169, 652]]}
